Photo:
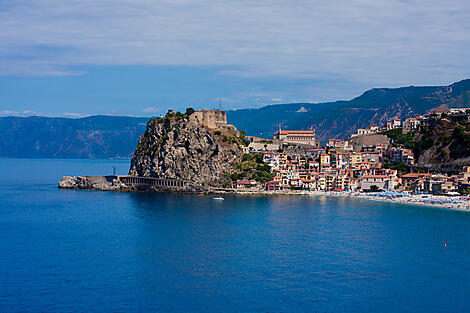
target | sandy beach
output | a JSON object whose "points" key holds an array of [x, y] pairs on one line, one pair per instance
{"points": [[454, 203]]}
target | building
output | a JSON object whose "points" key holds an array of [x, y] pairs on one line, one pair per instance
{"points": [[242, 184], [372, 129], [410, 124], [214, 119], [306, 137], [380, 181], [394, 123]]}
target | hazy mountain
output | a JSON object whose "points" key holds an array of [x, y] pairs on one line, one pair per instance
{"points": [[117, 137], [340, 119], [90, 137]]}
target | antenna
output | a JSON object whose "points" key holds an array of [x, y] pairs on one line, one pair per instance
{"points": [[220, 103]]}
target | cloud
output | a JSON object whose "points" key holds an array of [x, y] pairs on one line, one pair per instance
{"points": [[25, 113], [151, 110], [20, 113], [74, 114], [385, 42]]}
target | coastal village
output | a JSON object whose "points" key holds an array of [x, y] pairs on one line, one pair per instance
{"points": [[369, 164], [299, 162]]}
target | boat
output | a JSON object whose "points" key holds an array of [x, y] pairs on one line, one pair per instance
{"points": [[217, 198]]}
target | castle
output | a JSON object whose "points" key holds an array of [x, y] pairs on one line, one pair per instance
{"points": [[214, 119]]}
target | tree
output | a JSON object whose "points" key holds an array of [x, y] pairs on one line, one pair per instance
{"points": [[189, 111], [374, 188]]}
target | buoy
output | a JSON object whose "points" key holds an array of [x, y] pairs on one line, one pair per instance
{"points": [[445, 244]]}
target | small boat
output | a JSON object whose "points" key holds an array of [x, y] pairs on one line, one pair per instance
{"points": [[217, 198]]}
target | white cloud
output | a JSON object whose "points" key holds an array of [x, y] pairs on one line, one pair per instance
{"points": [[387, 42], [20, 113], [74, 114], [151, 110], [25, 113]]}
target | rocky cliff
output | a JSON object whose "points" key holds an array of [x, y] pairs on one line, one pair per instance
{"points": [[445, 144], [175, 147]]}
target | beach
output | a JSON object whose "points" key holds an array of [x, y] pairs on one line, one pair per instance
{"points": [[460, 203]]}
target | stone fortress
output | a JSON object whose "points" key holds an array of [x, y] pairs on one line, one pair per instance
{"points": [[214, 119]]}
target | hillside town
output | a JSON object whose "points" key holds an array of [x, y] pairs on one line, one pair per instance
{"points": [[299, 162]]}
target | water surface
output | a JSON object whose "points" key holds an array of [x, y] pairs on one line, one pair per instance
{"points": [[67, 250]]}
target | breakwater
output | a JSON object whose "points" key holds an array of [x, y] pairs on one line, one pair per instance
{"points": [[135, 183]]}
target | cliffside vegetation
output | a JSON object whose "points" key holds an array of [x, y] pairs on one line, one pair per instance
{"points": [[444, 143], [252, 167]]}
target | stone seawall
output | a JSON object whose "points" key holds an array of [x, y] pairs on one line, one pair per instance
{"points": [[134, 183]]}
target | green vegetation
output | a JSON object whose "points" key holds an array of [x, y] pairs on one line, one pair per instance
{"points": [[441, 142], [252, 167], [400, 139], [189, 111], [401, 167], [409, 140], [460, 147], [245, 141]]}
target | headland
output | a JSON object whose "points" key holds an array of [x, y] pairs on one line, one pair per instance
{"points": [[200, 152]]}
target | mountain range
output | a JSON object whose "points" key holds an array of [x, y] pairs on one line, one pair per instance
{"points": [[117, 136], [342, 118]]}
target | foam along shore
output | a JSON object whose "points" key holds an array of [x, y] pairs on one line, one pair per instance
{"points": [[460, 203]]}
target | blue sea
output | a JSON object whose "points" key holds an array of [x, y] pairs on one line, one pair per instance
{"points": [[92, 251]]}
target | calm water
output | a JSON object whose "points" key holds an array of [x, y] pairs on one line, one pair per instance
{"points": [[66, 250]]}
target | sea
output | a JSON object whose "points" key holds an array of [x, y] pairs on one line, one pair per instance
{"points": [[95, 251]]}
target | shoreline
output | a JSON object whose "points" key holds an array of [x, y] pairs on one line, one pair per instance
{"points": [[434, 201], [136, 184]]}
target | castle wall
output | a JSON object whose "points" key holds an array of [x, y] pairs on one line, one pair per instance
{"points": [[209, 118]]}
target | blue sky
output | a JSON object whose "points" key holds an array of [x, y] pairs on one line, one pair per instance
{"points": [[141, 57]]}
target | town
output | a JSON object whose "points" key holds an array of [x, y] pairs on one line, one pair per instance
{"points": [[299, 162]]}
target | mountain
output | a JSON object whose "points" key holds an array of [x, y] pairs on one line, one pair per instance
{"points": [[341, 118], [89, 137], [117, 136]]}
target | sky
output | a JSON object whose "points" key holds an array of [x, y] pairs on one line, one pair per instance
{"points": [[141, 57]]}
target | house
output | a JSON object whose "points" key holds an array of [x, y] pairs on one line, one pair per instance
{"points": [[394, 123], [273, 185], [413, 180], [380, 181], [242, 184], [410, 124], [325, 159]]}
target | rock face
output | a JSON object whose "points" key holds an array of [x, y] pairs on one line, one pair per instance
{"points": [[175, 147]]}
